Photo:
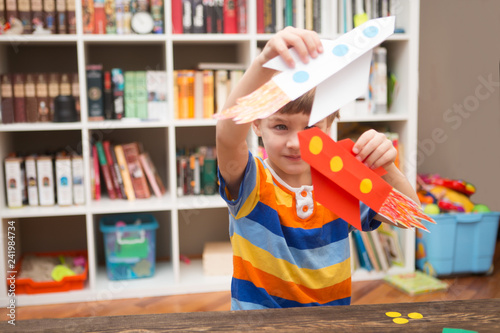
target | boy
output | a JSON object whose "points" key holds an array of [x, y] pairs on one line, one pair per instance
{"points": [[288, 250]]}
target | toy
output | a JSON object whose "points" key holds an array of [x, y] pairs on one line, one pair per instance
{"points": [[431, 209], [450, 195], [341, 181], [340, 75], [481, 209], [61, 271], [453, 184]]}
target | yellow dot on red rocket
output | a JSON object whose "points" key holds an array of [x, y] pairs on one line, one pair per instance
{"points": [[316, 145], [366, 186], [336, 164]]}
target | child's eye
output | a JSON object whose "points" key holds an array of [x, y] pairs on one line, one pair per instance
{"points": [[308, 127], [280, 127]]}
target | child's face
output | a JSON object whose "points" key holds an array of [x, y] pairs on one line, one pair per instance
{"points": [[279, 135]]}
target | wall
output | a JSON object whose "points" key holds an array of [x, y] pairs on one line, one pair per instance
{"points": [[459, 100]]}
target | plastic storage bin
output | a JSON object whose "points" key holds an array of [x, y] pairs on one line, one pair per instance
{"points": [[28, 286], [130, 242], [458, 243]]}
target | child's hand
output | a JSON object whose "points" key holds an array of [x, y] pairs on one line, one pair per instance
{"points": [[374, 149], [306, 43]]}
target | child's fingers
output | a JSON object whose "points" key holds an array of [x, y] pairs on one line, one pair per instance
{"points": [[306, 44], [383, 155]]}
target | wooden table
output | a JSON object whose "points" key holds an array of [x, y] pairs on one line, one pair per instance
{"points": [[475, 315]]}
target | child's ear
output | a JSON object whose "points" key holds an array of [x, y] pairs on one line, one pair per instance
{"points": [[256, 127]]}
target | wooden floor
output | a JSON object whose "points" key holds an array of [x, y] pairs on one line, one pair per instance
{"points": [[366, 292]]}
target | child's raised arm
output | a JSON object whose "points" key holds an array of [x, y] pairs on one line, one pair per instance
{"points": [[232, 150]]}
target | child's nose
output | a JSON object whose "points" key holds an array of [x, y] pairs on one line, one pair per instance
{"points": [[293, 141]]}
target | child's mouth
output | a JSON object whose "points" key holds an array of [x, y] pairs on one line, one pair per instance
{"points": [[293, 157]]}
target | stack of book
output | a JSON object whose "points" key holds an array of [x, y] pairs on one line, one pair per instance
{"points": [[355, 13], [127, 172], [30, 97], [117, 94], [38, 16], [377, 250], [44, 180], [197, 171], [117, 16], [198, 94], [209, 16]]}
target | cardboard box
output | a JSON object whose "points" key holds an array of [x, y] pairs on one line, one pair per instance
{"points": [[13, 182], [45, 180], [218, 258]]}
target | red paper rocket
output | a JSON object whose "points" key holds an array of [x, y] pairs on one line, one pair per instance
{"points": [[341, 181]]}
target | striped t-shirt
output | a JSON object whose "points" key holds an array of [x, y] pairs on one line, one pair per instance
{"points": [[288, 250]]}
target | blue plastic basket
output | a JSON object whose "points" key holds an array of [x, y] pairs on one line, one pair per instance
{"points": [[458, 243], [130, 249]]}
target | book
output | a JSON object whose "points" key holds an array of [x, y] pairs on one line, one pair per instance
{"points": [[118, 84], [364, 260], [152, 175], [95, 92], [36, 13], [185, 83], [53, 87], [19, 100], [77, 171], [379, 250], [141, 95], [218, 16], [106, 172], [389, 239], [23, 7], [230, 17], [49, 15], [2, 13], [30, 98], [61, 17], [108, 97], [75, 92], [157, 14], [157, 94], [42, 97], [119, 12], [139, 182], [177, 26], [106, 145], [88, 16], [31, 180], [96, 174], [221, 88], [7, 95], [198, 94], [129, 94], [127, 180], [110, 16], [269, 16], [64, 181], [45, 177], [116, 166], [260, 16], [208, 94], [242, 16], [370, 251], [187, 16], [416, 283], [71, 18], [198, 19], [208, 166], [13, 182], [99, 17]]}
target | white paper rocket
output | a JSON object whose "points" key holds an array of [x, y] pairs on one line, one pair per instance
{"points": [[340, 75]]}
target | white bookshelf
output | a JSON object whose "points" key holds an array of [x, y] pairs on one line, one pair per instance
{"points": [[185, 222]]}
